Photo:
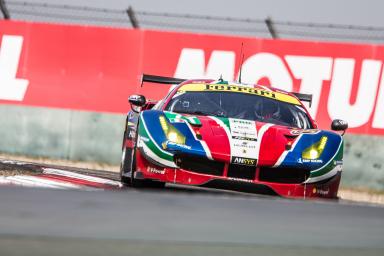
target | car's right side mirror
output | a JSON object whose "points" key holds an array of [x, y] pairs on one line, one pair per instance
{"points": [[339, 125]]}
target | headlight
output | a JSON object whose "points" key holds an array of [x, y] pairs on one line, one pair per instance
{"points": [[171, 132], [315, 150]]}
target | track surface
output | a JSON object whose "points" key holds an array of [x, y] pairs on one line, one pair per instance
{"points": [[177, 221]]}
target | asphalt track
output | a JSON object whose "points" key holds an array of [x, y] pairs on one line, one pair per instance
{"points": [[182, 221]]}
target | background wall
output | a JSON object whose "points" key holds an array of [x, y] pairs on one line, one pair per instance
{"points": [[60, 133]]}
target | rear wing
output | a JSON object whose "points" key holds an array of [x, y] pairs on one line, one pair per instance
{"points": [[160, 79], [172, 80], [304, 97]]}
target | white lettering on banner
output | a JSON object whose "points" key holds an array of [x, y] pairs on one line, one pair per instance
{"points": [[191, 64], [378, 118], [312, 71], [339, 105], [11, 88], [267, 65]]}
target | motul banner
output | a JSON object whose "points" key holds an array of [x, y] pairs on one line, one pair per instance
{"points": [[96, 69]]}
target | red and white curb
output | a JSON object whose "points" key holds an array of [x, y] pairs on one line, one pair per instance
{"points": [[61, 179]]}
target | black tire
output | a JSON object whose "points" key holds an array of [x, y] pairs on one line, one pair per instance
{"points": [[128, 165], [125, 166]]}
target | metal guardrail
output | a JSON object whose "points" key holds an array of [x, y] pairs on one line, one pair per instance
{"points": [[270, 28]]}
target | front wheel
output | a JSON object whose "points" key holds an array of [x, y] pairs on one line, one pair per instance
{"points": [[126, 166], [128, 169]]}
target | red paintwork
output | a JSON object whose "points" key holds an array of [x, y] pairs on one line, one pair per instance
{"points": [[216, 139], [273, 141], [184, 177]]}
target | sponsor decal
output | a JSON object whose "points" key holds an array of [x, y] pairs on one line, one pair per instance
{"points": [[243, 139], [321, 191], [131, 134], [131, 115], [131, 124], [240, 179], [309, 131], [317, 161], [240, 89], [338, 162], [171, 143], [155, 170], [141, 141], [244, 161], [243, 89]]}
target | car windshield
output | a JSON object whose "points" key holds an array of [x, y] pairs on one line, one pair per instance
{"points": [[241, 106]]}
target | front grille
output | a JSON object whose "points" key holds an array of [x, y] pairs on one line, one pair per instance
{"points": [[241, 171], [199, 165], [283, 175]]}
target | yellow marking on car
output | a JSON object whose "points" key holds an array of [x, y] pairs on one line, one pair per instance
{"points": [[239, 89]]}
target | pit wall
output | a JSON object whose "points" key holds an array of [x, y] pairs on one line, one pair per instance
{"points": [[64, 88], [95, 137]]}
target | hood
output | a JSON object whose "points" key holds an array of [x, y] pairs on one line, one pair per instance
{"points": [[244, 142]]}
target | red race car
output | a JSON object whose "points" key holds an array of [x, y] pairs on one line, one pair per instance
{"points": [[220, 134]]}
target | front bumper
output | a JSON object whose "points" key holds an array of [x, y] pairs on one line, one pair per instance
{"points": [[149, 170]]}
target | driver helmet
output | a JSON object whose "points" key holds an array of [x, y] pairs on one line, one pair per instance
{"points": [[266, 109]]}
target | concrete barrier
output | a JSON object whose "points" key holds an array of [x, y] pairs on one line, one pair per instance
{"points": [[96, 137], [363, 162], [59, 133]]}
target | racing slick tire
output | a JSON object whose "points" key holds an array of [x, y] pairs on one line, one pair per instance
{"points": [[128, 169], [125, 167]]}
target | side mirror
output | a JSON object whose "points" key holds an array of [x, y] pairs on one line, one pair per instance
{"points": [[137, 101], [339, 125]]}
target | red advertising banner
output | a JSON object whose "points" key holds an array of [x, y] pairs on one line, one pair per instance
{"points": [[96, 69]]}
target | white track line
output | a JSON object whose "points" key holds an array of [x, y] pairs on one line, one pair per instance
{"points": [[74, 175], [36, 181]]}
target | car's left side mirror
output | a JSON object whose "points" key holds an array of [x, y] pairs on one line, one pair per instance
{"points": [[339, 125], [137, 102]]}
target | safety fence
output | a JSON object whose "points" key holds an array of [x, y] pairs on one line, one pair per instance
{"points": [[130, 17]]}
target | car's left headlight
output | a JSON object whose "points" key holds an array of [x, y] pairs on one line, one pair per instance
{"points": [[315, 150], [171, 132]]}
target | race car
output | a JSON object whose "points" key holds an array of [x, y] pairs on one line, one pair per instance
{"points": [[228, 135]]}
